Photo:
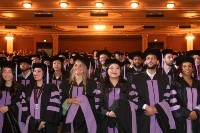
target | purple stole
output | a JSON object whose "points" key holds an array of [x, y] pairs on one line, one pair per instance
{"points": [[112, 96], [34, 112], [166, 108], [153, 99], [191, 104], [5, 100], [86, 109], [134, 123], [56, 82], [25, 82], [21, 124]]}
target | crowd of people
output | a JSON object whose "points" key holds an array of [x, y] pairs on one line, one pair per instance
{"points": [[139, 92]]}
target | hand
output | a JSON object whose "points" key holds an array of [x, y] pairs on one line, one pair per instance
{"points": [[42, 123], [3, 109], [192, 116], [74, 100], [149, 110], [111, 114]]}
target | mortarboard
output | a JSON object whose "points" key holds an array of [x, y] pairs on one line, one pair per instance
{"points": [[183, 58]]}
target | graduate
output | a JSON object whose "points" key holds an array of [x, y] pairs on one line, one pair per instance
{"points": [[116, 102], [154, 95], [187, 108], [41, 103], [58, 75], [10, 101], [78, 105], [168, 65], [26, 77], [100, 73], [136, 65]]}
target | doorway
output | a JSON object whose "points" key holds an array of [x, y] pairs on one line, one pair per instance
{"points": [[156, 45], [46, 46]]}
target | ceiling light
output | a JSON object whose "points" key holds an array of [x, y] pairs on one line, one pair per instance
{"points": [[63, 4], [99, 27], [170, 5], [9, 37], [27, 5], [99, 4], [190, 37], [134, 4]]}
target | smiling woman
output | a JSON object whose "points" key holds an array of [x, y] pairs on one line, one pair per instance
{"points": [[10, 101]]}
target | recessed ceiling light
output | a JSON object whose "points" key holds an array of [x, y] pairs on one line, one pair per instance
{"points": [[134, 4], [99, 27], [170, 5], [99, 4], [63, 4], [27, 5]]}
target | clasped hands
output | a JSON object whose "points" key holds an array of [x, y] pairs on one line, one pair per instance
{"points": [[3, 109], [110, 114], [150, 110], [73, 101], [192, 116]]}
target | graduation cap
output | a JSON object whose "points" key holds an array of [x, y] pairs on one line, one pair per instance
{"points": [[193, 52], [113, 61], [106, 52], [82, 59], [35, 55], [66, 54], [39, 65], [44, 68], [9, 54], [52, 59], [183, 58], [25, 59], [134, 54], [119, 53], [155, 52], [167, 51], [9, 64]]}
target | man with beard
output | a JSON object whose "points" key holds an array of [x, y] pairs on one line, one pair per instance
{"points": [[26, 77], [153, 114], [136, 66], [100, 73], [168, 65]]}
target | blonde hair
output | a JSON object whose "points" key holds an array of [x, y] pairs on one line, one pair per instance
{"points": [[72, 78]]}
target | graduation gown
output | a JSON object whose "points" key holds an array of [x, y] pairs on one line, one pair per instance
{"points": [[10, 122], [188, 99], [80, 118], [25, 81], [151, 92], [131, 72], [123, 102], [48, 108], [100, 74], [58, 81], [171, 74]]}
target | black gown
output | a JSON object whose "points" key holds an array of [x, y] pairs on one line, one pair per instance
{"points": [[152, 92], [81, 122], [25, 81], [188, 100], [48, 108], [119, 100], [10, 122]]}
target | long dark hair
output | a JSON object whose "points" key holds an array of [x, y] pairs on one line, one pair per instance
{"points": [[13, 88], [179, 70], [106, 85]]}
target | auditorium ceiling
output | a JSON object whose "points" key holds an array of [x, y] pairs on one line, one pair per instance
{"points": [[46, 17]]}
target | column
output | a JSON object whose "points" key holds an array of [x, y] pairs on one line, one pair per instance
{"points": [[189, 39], [55, 44], [144, 42], [9, 44]]}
